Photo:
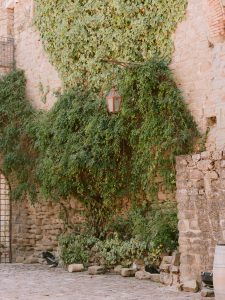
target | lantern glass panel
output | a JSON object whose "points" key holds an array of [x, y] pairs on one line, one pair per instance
{"points": [[110, 104], [117, 104]]}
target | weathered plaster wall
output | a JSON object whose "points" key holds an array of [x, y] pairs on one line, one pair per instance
{"points": [[42, 78], [16, 19], [199, 66]]}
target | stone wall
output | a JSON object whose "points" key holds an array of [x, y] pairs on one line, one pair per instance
{"points": [[198, 65], [36, 228], [201, 206]]}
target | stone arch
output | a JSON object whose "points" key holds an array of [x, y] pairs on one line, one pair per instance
{"points": [[5, 220]]}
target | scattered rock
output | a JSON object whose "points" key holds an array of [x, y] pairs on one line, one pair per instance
{"points": [[190, 286], [165, 267], [176, 259], [166, 278], [167, 259], [20, 259], [155, 277], [96, 270], [207, 292], [138, 264], [75, 268], [142, 275], [117, 269], [128, 272], [175, 279], [31, 260]]}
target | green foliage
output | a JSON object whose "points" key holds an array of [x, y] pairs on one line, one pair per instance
{"points": [[16, 145], [153, 231], [78, 149], [157, 225], [114, 251], [76, 248], [79, 34], [100, 158]]}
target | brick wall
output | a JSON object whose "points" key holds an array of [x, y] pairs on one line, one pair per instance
{"points": [[216, 18], [198, 65]]}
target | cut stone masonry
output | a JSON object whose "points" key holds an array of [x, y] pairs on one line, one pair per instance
{"points": [[201, 210]]}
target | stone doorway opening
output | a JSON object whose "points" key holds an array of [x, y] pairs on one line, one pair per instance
{"points": [[5, 220]]}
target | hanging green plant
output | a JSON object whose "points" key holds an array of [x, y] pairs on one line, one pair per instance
{"points": [[16, 144], [98, 157], [79, 35], [78, 149]]}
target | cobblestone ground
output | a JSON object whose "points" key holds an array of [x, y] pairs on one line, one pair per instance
{"points": [[35, 282]]}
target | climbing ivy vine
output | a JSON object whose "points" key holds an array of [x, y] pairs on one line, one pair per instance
{"points": [[16, 142], [81, 35], [79, 149]]}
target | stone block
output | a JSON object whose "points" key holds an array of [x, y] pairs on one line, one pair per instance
{"points": [[20, 259], [213, 175], [175, 269], [199, 184], [167, 259], [75, 268], [96, 270], [222, 174], [31, 260], [175, 258], [207, 292], [165, 268], [193, 192], [166, 278], [205, 165], [181, 160], [196, 158], [196, 174], [142, 275], [155, 277], [190, 286], [217, 155], [222, 164], [175, 279], [128, 272], [117, 269]]}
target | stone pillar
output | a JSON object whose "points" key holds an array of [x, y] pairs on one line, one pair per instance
{"points": [[201, 210]]}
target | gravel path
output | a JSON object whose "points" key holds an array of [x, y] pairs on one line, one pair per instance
{"points": [[36, 282]]}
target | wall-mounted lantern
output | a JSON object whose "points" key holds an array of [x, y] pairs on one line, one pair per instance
{"points": [[113, 101]]}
